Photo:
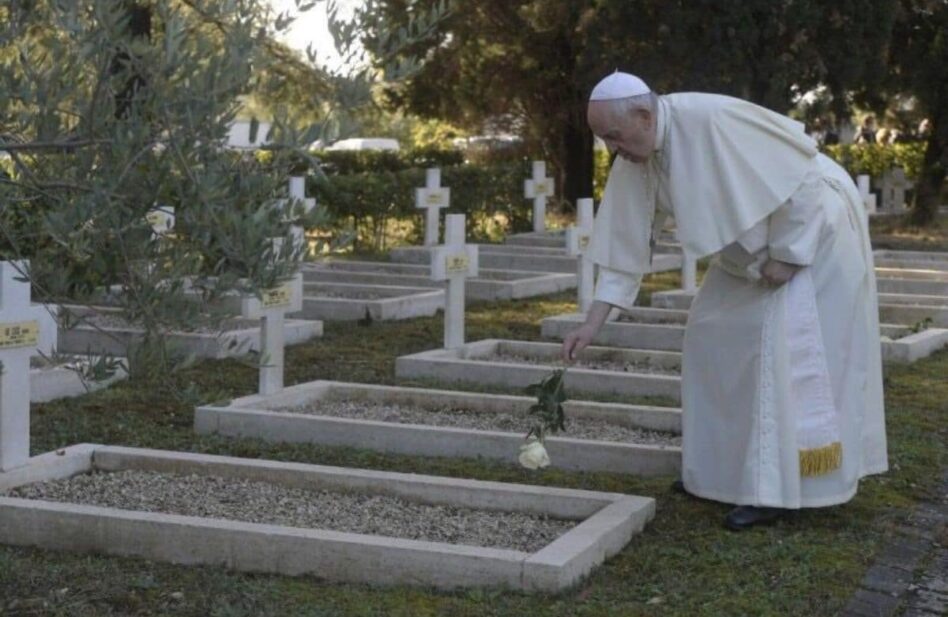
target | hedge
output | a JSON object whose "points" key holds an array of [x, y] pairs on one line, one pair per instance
{"points": [[368, 202], [876, 159]]}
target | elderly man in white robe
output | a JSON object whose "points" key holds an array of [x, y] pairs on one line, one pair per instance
{"points": [[782, 402]]}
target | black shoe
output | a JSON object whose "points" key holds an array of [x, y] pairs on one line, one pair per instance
{"points": [[745, 517]]}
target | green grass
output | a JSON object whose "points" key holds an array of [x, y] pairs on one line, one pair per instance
{"points": [[684, 563], [895, 233]]}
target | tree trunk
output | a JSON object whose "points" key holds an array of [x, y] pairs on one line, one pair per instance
{"points": [[932, 177], [577, 160]]}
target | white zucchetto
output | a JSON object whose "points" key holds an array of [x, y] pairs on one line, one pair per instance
{"points": [[618, 86]]}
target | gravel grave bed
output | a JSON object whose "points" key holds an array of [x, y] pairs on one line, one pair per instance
{"points": [[578, 428], [110, 320], [345, 295], [593, 365], [264, 502]]}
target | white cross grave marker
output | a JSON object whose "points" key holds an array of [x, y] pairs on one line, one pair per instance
{"points": [[868, 197], [538, 188], [893, 185], [298, 191], [22, 330], [431, 199], [161, 219], [577, 241], [271, 310], [454, 261], [689, 272]]}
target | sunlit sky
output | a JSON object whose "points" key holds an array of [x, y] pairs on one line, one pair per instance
{"points": [[312, 27]]}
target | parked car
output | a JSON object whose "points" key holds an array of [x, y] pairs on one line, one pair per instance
{"points": [[365, 143]]}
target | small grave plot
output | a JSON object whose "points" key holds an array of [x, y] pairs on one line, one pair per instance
{"points": [[577, 428], [263, 502]]}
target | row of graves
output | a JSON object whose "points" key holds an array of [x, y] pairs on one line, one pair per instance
{"points": [[337, 523], [393, 528], [524, 266]]}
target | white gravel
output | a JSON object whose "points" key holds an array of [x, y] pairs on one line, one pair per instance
{"points": [[114, 320], [578, 428], [345, 295], [589, 364], [264, 502]]}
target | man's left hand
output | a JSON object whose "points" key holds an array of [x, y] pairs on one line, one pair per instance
{"points": [[776, 273]]}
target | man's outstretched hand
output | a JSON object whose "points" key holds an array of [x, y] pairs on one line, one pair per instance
{"points": [[576, 341], [775, 273]]}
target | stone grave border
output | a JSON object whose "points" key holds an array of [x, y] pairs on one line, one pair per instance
{"points": [[462, 365], [260, 417], [398, 303], [608, 521], [904, 286], [54, 382], [638, 335], [907, 348], [114, 341], [518, 259], [519, 284]]}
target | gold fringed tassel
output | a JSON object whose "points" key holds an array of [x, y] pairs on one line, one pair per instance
{"points": [[818, 461]]}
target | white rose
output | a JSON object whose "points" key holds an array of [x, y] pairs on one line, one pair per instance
{"points": [[533, 455]]}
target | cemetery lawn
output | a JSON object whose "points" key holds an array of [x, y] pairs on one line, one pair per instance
{"points": [[894, 233], [684, 563]]}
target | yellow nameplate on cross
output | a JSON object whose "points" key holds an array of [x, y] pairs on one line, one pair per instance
{"points": [[455, 264], [21, 334], [435, 199], [541, 188], [583, 242], [278, 296]]}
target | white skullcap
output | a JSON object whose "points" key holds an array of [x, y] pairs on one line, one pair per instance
{"points": [[618, 86]]}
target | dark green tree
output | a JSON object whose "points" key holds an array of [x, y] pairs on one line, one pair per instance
{"points": [[533, 62], [919, 61]]}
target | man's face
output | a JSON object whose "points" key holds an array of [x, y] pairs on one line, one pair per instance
{"points": [[631, 136]]}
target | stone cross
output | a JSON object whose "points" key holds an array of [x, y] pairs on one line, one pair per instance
{"points": [[538, 188], [22, 330], [161, 219], [298, 191], [271, 309], [689, 272], [454, 261], [893, 185], [431, 199], [577, 241], [868, 197]]}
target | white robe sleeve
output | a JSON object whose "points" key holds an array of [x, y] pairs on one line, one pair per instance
{"points": [[796, 227], [617, 288]]}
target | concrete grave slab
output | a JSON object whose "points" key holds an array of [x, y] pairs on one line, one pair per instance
{"points": [[304, 413], [552, 238], [908, 312], [48, 383], [913, 274], [926, 259], [899, 342], [500, 362], [509, 257], [350, 301], [603, 523], [238, 337], [640, 329], [913, 299], [487, 285], [912, 286]]}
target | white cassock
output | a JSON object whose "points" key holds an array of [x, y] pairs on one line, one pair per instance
{"points": [[764, 369]]}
